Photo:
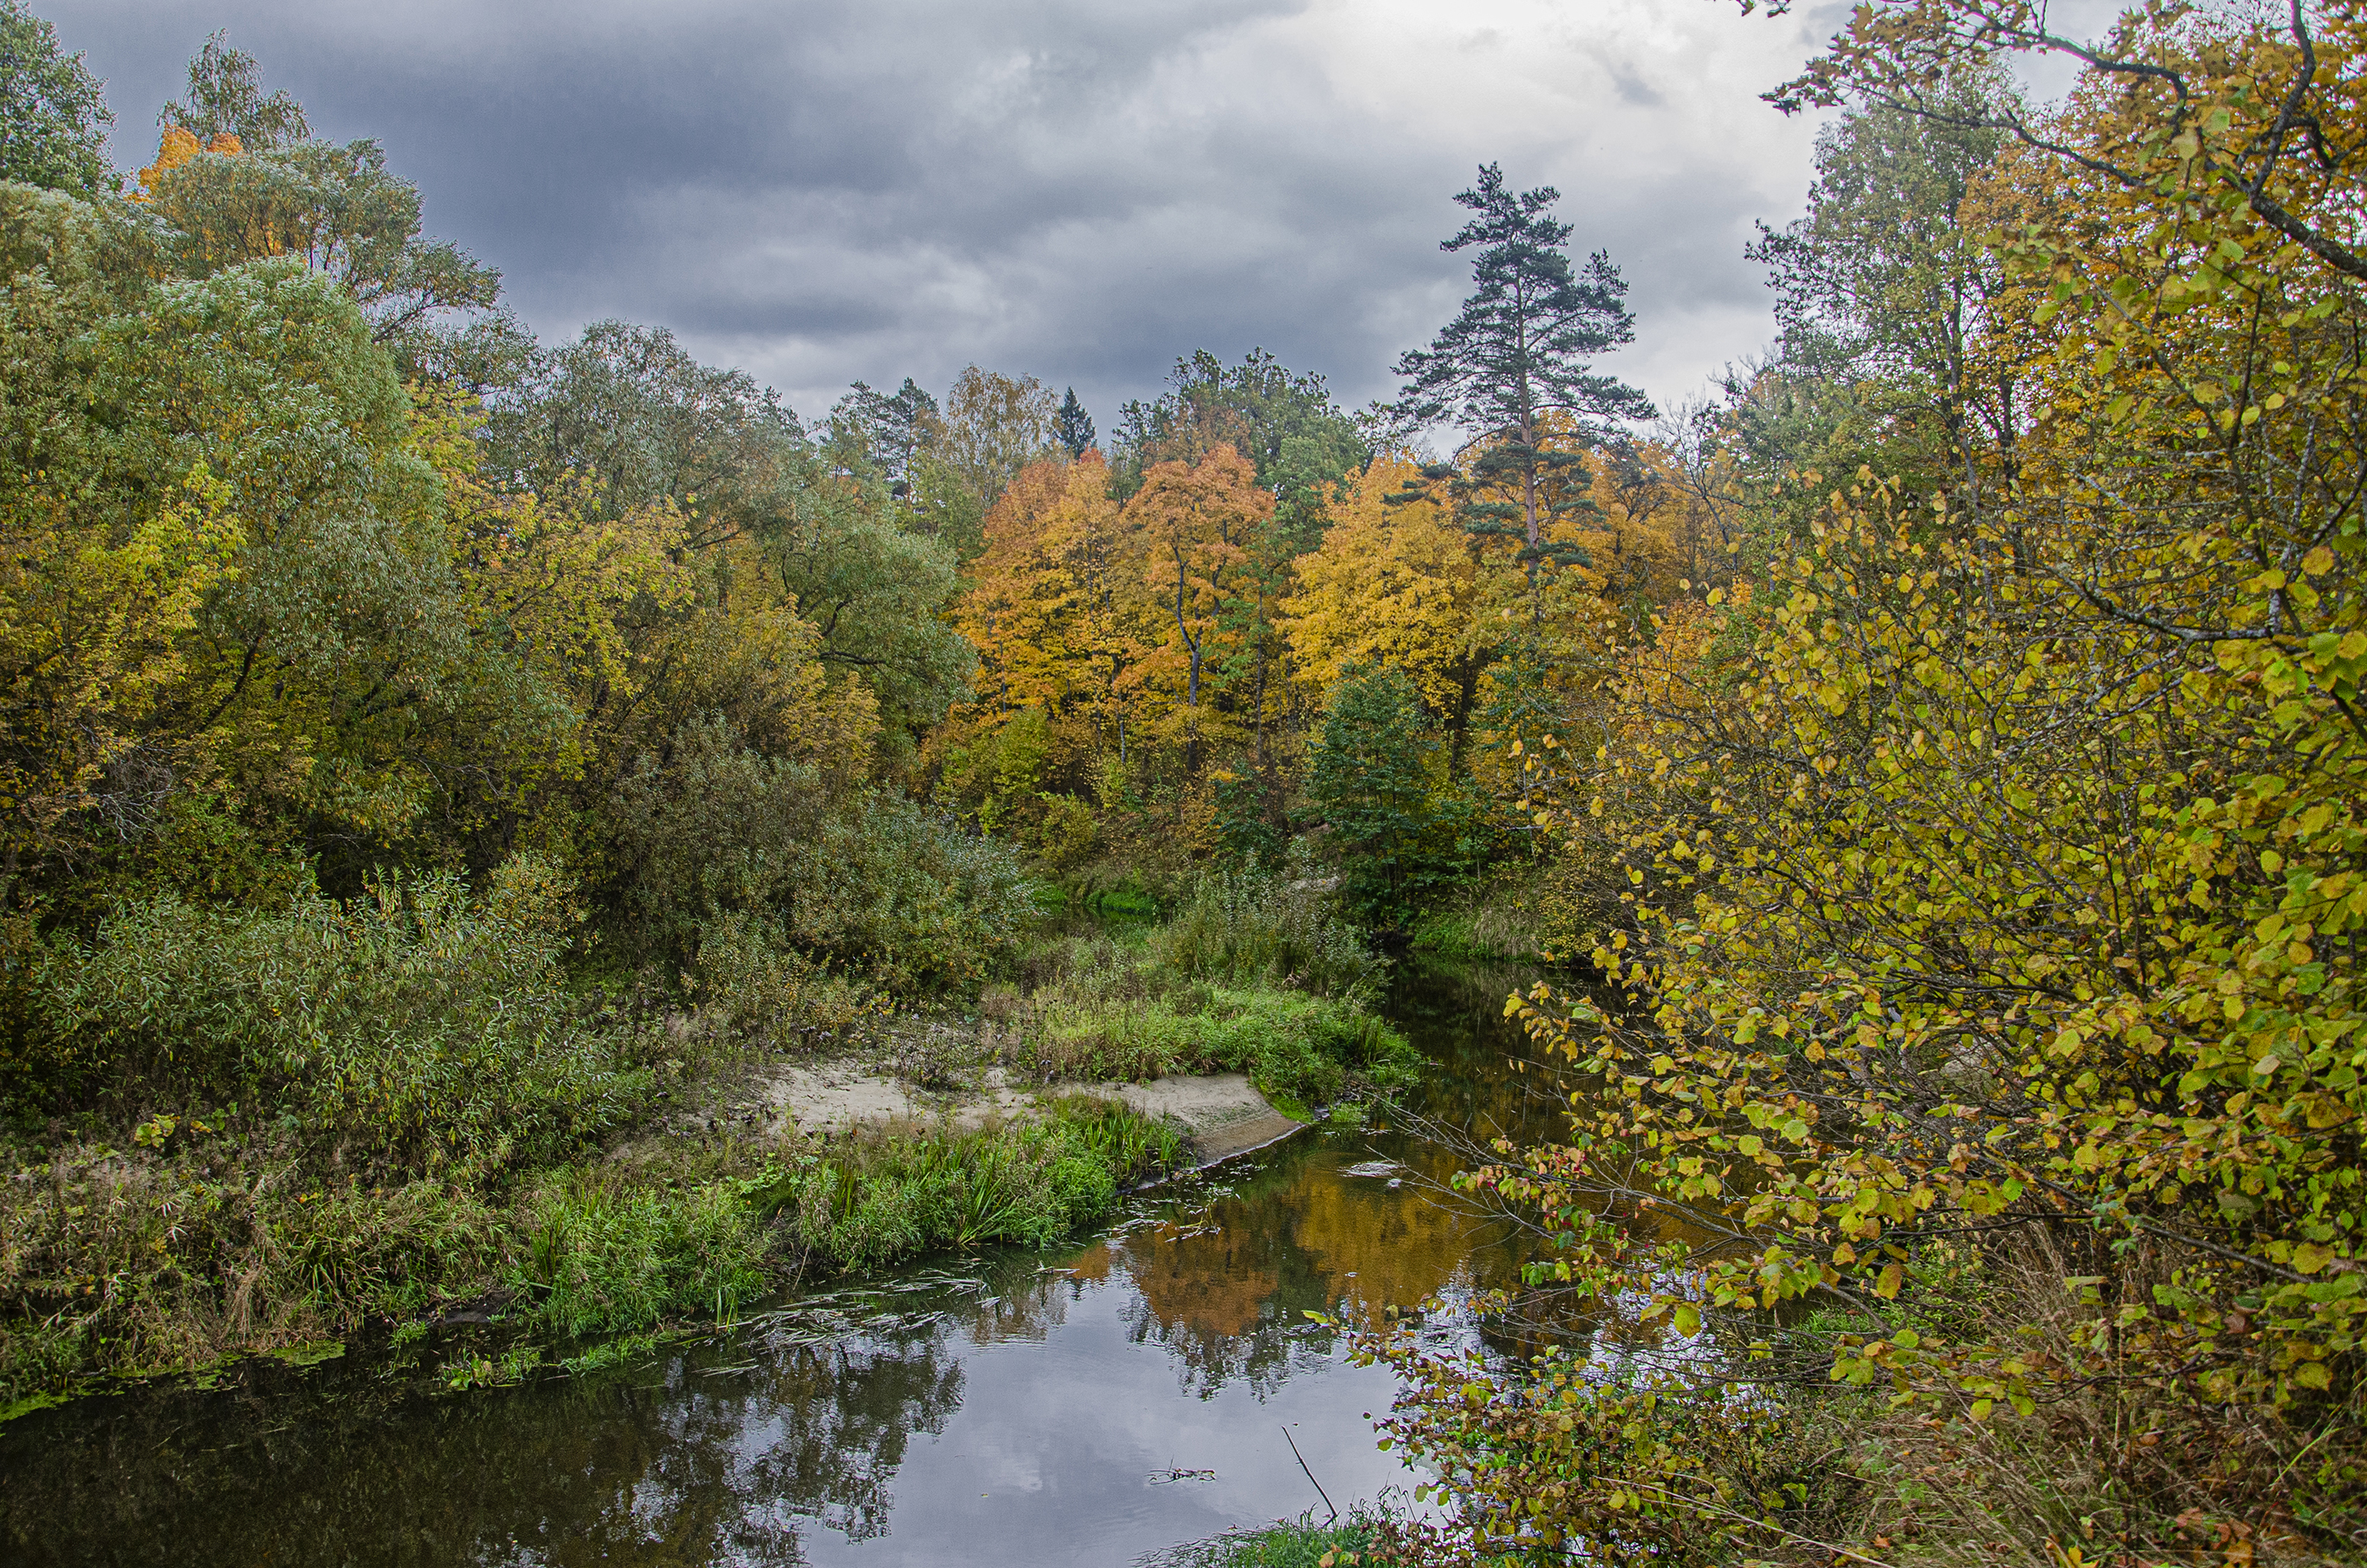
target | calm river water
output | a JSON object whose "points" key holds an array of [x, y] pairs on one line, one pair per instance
{"points": [[1087, 1406]]}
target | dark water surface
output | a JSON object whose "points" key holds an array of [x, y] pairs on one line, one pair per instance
{"points": [[1084, 1405]]}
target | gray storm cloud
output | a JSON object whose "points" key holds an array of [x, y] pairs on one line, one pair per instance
{"points": [[1079, 192]]}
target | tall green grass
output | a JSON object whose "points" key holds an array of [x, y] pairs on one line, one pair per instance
{"points": [[1026, 1183], [1288, 1543], [1302, 1048]]}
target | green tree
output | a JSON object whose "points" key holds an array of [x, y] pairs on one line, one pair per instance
{"points": [[994, 425], [1519, 352], [1371, 773], [1886, 287], [631, 410], [1073, 427], [1283, 421], [54, 114], [883, 430], [226, 98], [343, 213]]}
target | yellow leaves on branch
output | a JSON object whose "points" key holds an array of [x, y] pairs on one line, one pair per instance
{"points": [[98, 633], [1052, 621]]}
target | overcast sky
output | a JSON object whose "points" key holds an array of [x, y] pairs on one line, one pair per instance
{"points": [[1079, 191]]}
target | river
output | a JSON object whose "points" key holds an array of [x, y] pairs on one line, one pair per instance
{"points": [[1125, 1393]]}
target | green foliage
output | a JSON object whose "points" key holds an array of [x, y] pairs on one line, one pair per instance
{"points": [[342, 212], [209, 1240], [1247, 929], [1296, 1048], [1883, 287], [603, 1255], [413, 1030], [1517, 357], [1073, 427], [54, 114], [226, 98], [1290, 1543], [1373, 771], [1992, 870], [1026, 1183], [718, 833]]}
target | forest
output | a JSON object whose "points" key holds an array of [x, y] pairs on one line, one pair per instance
{"points": [[1928, 772]]}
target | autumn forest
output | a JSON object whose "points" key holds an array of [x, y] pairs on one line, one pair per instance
{"points": [[1922, 780]]}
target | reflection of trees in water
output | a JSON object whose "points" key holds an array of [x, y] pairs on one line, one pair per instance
{"points": [[828, 1424], [1226, 1292], [1221, 1300], [702, 1463], [1024, 1300], [1224, 1289]]}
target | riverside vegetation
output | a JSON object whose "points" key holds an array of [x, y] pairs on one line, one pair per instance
{"points": [[435, 759], [393, 1114]]}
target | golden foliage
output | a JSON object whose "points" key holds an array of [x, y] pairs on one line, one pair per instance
{"points": [[1391, 585]]}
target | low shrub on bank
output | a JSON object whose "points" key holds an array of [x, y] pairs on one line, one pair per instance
{"points": [[1251, 976], [1248, 928], [418, 1030], [125, 1260]]}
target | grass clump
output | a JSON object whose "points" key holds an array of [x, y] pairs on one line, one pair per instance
{"points": [[877, 1200], [141, 1260], [1248, 928], [1252, 976], [607, 1255], [1287, 1543], [1306, 1049]]}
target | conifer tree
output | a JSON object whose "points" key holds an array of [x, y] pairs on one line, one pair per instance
{"points": [[1073, 427], [1517, 355]]}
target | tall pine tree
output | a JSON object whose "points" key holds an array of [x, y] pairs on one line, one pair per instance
{"points": [[1520, 351]]}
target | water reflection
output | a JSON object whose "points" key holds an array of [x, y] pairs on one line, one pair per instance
{"points": [[1037, 1408]]}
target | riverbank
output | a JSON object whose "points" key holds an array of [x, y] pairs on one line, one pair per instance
{"points": [[718, 1166]]}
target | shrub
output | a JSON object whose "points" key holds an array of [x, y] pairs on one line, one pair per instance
{"points": [[413, 1030], [719, 839], [1247, 927]]}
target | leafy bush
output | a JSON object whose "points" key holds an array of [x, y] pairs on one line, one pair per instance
{"points": [[120, 1260], [753, 984], [720, 838], [417, 1029], [1247, 927]]}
